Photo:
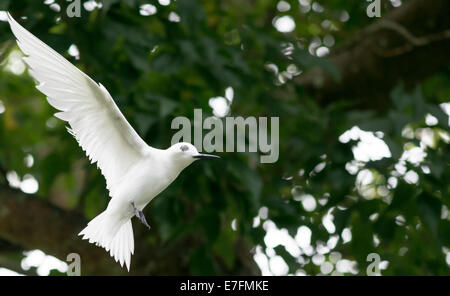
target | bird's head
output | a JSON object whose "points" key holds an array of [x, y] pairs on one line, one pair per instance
{"points": [[187, 153]]}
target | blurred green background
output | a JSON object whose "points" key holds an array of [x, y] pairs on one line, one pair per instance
{"points": [[364, 136]]}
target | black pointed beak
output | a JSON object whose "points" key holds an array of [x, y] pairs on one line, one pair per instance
{"points": [[206, 156]]}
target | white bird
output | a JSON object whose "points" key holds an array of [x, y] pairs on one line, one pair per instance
{"points": [[135, 172]]}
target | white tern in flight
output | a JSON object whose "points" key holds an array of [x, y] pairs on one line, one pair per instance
{"points": [[135, 172]]}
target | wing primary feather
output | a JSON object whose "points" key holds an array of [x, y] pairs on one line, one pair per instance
{"points": [[94, 119]]}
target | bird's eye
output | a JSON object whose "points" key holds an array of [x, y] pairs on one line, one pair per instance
{"points": [[184, 148]]}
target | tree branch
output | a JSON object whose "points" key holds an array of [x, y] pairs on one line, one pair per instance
{"points": [[407, 45], [33, 223]]}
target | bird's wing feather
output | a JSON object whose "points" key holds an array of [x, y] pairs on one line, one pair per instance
{"points": [[95, 120]]}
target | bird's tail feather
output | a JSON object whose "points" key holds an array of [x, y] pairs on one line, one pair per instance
{"points": [[115, 236]]}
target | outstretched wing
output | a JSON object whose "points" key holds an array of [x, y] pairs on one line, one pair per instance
{"points": [[95, 120]]}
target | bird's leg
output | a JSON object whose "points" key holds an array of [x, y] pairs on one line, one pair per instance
{"points": [[140, 215], [136, 211]]}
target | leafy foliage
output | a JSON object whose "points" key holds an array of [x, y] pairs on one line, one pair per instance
{"points": [[157, 68]]}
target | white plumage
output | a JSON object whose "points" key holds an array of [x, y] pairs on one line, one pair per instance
{"points": [[135, 172]]}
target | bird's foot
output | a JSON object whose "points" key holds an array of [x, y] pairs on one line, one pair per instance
{"points": [[142, 218], [140, 215]]}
